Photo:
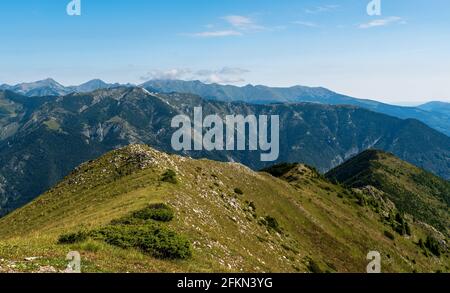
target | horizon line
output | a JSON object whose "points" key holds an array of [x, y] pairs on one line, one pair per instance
{"points": [[397, 103]]}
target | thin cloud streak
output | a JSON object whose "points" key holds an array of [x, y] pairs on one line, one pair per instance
{"points": [[320, 9], [242, 22], [238, 25], [305, 23], [216, 34], [382, 22], [225, 75]]}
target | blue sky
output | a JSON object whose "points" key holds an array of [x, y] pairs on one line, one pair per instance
{"points": [[401, 56]]}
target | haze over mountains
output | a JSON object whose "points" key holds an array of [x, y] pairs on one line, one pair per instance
{"points": [[434, 114]]}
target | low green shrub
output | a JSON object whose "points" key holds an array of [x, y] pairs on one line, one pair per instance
{"points": [[158, 212], [164, 243], [170, 177], [314, 267], [361, 200], [421, 244], [433, 246], [389, 235], [238, 191], [400, 225], [151, 238], [271, 223], [71, 238], [140, 230]]}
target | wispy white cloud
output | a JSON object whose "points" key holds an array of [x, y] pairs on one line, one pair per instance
{"points": [[216, 34], [225, 75], [323, 8], [170, 74], [242, 22], [236, 25], [305, 23], [382, 22]]}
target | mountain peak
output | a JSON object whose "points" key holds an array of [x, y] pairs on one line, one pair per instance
{"points": [[116, 164], [94, 81], [361, 165], [47, 81], [91, 86], [436, 107], [292, 171]]}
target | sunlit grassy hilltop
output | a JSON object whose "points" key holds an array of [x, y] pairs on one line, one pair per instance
{"points": [[228, 217]]}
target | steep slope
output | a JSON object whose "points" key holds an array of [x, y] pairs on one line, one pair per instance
{"points": [[56, 134], [234, 219], [15, 110], [56, 137], [265, 95], [413, 190], [437, 119]]}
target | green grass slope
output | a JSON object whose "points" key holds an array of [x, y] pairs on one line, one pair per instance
{"points": [[139, 210], [413, 190]]}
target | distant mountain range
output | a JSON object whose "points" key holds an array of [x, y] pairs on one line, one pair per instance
{"points": [[434, 114], [430, 114], [50, 87], [43, 138]]}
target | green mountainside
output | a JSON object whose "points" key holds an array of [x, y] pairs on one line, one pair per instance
{"points": [[413, 190], [136, 209], [43, 138]]}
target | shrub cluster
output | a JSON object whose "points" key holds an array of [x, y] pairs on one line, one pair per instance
{"points": [[151, 238], [71, 238], [389, 235], [158, 212], [170, 177], [401, 226], [238, 191], [314, 267], [430, 244], [142, 230], [271, 223]]}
